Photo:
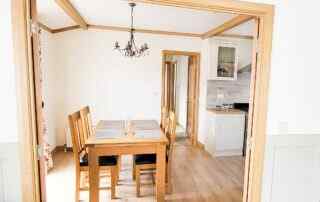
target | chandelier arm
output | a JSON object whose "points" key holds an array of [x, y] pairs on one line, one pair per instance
{"points": [[134, 45]]}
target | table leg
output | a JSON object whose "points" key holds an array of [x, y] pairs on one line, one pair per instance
{"points": [[93, 176], [160, 172]]}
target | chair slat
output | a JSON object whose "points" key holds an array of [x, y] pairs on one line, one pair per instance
{"points": [[164, 117], [171, 133], [87, 122], [76, 132]]}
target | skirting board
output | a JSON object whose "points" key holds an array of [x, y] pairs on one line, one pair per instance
{"points": [[201, 146], [235, 152]]}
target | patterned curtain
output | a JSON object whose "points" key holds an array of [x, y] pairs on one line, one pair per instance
{"points": [[47, 147]]}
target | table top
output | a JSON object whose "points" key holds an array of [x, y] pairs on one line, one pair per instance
{"points": [[111, 132]]}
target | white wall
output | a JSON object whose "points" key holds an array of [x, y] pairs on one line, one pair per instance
{"points": [[10, 184], [203, 85], [292, 156], [291, 171], [90, 72], [7, 87], [294, 100], [182, 89], [9, 150]]}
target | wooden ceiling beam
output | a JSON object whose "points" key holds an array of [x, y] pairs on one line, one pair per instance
{"points": [[227, 26], [229, 6], [64, 29], [239, 36], [146, 31], [45, 27], [126, 29], [72, 12]]}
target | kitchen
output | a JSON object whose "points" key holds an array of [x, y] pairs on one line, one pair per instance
{"points": [[228, 95]]}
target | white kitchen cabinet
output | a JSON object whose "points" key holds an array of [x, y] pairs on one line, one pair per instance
{"points": [[223, 55], [225, 132]]}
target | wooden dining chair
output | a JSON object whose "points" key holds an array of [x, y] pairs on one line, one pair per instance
{"points": [[81, 156], [86, 119], [148, 161], [164, 127], [88, 129], [164, 117]]}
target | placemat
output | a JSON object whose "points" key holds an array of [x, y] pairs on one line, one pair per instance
{"points": [[117, 124], [145, 124], [153, 134], [109, 133]]}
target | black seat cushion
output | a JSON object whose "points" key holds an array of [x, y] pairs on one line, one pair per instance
{"points": [[141, 159], [103, 160]]}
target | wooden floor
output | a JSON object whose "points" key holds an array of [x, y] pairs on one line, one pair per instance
{"points": [[196, 177]]}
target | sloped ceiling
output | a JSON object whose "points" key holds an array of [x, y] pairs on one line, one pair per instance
{"points": [[147, 16]]}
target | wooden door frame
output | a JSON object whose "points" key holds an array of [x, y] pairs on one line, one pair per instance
{"points": [[25, 84], [26, 104], [165, 53], [165, 85]]}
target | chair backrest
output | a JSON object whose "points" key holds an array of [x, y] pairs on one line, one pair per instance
{"points": [[76, 128], [171, 133], [164, 118], [87, 122]]}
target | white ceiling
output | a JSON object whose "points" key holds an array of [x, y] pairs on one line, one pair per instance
{"points": [[243, 29], [52, 15], [147, 16]]}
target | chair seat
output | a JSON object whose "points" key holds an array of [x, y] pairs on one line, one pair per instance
{"points": [[103, 160], [141, 159]]}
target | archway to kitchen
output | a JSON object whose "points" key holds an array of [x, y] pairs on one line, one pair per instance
{"points": [[264, 40]]}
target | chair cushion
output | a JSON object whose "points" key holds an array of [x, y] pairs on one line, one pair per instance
{"points": [[141, 159], [103, 160]]}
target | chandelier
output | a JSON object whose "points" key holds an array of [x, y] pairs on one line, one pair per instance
{"points": [[131, 49]]}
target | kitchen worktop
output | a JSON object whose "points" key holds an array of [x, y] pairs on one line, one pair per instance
{"points": [[225, 111]]}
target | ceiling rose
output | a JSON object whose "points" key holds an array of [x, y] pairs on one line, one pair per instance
{"points": [[131, 49]]}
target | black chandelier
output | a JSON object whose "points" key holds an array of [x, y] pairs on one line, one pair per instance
{"points": [[131, 49]]}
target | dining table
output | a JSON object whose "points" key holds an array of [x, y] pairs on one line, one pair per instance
{"points": [[121, 137]]}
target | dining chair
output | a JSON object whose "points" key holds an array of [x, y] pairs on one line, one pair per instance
{"points": [[81, 156], [88, 129], [164, 117], [164, 127], [85, 115], [148, 161]]}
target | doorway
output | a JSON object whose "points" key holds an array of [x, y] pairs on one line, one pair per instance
{"points": [[180, 90], [26, 86]]}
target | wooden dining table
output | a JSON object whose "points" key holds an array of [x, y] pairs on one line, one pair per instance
{"points": [[123, 138]]}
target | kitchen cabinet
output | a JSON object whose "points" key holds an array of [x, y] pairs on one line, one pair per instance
{"points": [[223, 59], [225, 132]]}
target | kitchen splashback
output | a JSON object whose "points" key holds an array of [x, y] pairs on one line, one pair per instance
{"points": [[229, 92]]}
